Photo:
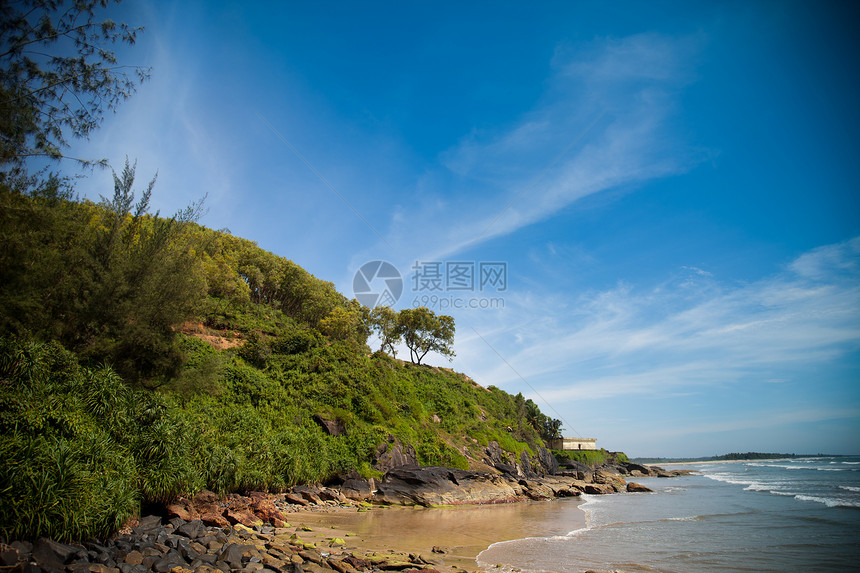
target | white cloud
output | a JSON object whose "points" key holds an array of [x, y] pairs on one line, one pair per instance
{"points": [[652, 341], [603, 124]]}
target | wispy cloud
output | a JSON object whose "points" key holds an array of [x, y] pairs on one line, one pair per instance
{"points": [[653, 341], [603, 123]]}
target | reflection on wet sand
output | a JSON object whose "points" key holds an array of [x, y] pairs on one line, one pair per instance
{"points": [[463, 531]]}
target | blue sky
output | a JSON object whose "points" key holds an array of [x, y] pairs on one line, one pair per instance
{"points": [[673, 187]]}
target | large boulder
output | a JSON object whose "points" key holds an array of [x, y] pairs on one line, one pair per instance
{"points": [[357, 489], [497, 458], [639, 469], [607, 477], [634, 487], [429, 486], [547, 461], [333, 427], [393, 454], [599, 489]]}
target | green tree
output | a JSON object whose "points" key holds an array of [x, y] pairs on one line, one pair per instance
{"points": [[551, 428], [384, 322], [422, 331], [347, 323], [109, 281], [145, 277], [58, 77]]}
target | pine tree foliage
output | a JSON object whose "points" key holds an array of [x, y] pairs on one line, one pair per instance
{"points": [[58, 76]]}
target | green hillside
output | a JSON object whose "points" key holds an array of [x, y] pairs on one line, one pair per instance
{"points": [[144, 357]]}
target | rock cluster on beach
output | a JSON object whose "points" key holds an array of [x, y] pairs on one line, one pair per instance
{"points": [[180, 546], [429, 486], [212, 534]]}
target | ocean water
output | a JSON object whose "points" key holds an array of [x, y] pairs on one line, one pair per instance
{"points": [[780, 515]]}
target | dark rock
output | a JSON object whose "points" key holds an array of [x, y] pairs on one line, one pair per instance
{"points": [[334, 427], [206, 558], [232, 555], [168, 562], [9, 555], [331, 495], [357, 489], [497, 458], [430, 486], [188, 553], [24, 548], [598, 489], [309, 493], [97, 547], [147, 524], [192, 529], [634, 487], [296, 499], [505, 468], [295, 568], [47, 552], [547, 461], [644, 470], [105, 559], [394, 454], [174, 541]]}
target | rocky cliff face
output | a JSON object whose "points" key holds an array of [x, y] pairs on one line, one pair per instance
{"points": [[431, 486], [526, 465]]}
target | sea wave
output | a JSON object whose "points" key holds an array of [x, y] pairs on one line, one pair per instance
{"points": [[828, 501], [796, 467]]}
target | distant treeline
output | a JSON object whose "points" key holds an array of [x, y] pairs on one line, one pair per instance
{"points": [[729, 457]]}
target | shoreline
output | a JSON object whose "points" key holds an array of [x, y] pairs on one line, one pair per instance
{"points": [[418, 519], [313, 539], [457, 533]]}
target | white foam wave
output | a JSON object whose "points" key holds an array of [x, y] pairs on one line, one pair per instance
{"points": [[828, 501], [850, 488]]}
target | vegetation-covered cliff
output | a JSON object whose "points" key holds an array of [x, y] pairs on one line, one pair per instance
{"points": [[144, 357]]}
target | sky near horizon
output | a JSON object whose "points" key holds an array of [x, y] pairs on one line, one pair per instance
{"points": [[672, 189]]}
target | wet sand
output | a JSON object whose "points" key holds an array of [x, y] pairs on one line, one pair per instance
{"points": [[462, 532]]}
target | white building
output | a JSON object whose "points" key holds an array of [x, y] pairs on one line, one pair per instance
{"points": [[573, 444]]}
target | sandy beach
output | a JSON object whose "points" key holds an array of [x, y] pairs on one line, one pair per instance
{"points": [[459, 532]]}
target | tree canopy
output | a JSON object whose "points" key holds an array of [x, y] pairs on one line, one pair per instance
{"points": [[58, 77], [422, 332]]}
